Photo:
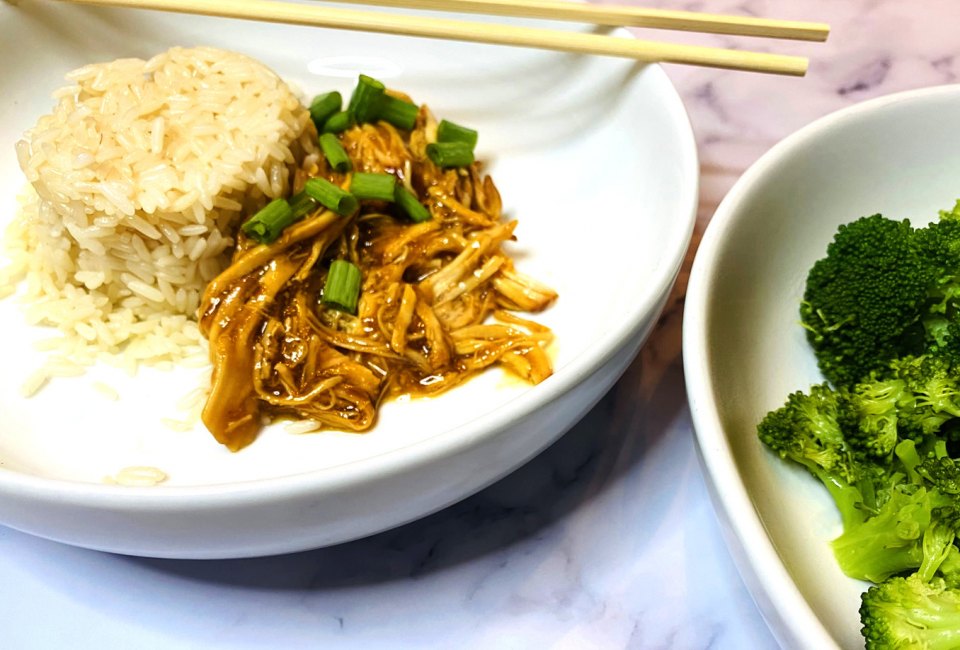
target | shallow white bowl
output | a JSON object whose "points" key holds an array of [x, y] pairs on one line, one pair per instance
{"points": [[744, 350], [594, 156]]}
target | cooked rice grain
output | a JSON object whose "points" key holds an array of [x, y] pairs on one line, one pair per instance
{"points": [[137, 476], [106, 390], [139, 177]]}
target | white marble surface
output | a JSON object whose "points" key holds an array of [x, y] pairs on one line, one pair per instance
{"points": [[607, 540]]}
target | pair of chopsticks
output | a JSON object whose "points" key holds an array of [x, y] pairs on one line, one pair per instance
{"points": [[651, 51]]}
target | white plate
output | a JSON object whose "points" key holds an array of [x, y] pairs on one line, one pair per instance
{"points": [[594, 156], [745, 351]]}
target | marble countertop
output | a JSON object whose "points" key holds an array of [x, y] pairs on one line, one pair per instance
{"points": [[606, 540]]}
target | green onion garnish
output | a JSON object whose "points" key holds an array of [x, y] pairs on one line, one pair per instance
{"points": [[342, 288], [373, 186], [452, 132], [323, 106], [267, 224], [330, 196], [302, 204], [367, 99], [410, 204], [335, 153], [450, 154], [400, 113], [339, 122]]}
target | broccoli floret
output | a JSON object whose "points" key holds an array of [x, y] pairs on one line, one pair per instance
{"points": [[939, 244], [873, 414], [808, 430], [893, 540], [913, 397], [941, 472], [910, 613], [864, 302], [884, 291], [915, 526], [934, 381]]}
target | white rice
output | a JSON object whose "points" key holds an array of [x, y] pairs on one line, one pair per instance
{"points": [[138, 179], [137, 476], [107, 391]]}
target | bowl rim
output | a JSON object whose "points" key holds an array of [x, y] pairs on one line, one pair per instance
{"points": [[788, 613], [451, 441]]}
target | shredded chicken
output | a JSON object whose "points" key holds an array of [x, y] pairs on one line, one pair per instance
{"points": [[436, 304]]}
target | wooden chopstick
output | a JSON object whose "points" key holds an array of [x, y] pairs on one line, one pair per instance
{"points": [[407, 25], [621, 16]]}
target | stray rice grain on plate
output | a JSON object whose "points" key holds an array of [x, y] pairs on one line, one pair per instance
{"points": [[138, 476]]}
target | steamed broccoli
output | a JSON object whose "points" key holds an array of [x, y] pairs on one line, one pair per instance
{"points": [[808, 430], [884, 290], [882, 315], [864, 301], [874, 410], [893, 488], [942, 473], [939, 246], [934, 381], [912, 529], [910, 613]]}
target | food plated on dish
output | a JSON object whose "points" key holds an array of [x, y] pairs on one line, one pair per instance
{"points": [[548, 144], [766, 347], [333, 256]]}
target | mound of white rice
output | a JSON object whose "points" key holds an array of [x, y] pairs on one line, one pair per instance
{"points": [[139, 176]]}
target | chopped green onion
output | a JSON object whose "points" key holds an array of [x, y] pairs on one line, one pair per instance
{"points": [[339, 122], [302, 204], [342, 288], [335, 153], [367, 99], [450, 154], [410, 204], [373, 186], [323, 106], [400, 113], [451, 132], [330, 196], [267, 224]]}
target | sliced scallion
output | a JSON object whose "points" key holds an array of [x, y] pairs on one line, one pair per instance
{"points": [[342, 287], [410, 204], [267, 224], [450, 154], [334, 152], [402, 114], [373, 186], [323, 106], [331, 196], [339, 122], [452, 132], [367, 99], [302, 204]]}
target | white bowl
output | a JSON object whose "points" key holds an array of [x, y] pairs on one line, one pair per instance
{"points": [[744, 349], [596, 158]]}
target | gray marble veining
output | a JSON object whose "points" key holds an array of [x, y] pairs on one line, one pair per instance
{"points": [[606, 540]]}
